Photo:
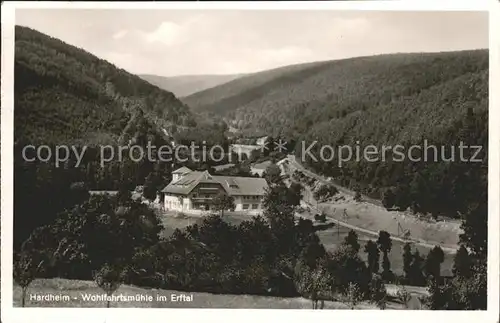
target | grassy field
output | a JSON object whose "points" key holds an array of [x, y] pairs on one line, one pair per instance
{"points": [[376, 218], [75, 290], [330, 237], [368, 216], [335, 235]]}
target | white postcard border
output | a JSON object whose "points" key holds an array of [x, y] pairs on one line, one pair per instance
{"points": [[74, 315]]}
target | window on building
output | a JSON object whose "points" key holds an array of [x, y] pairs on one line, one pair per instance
{"points": [[232, 183], [255, 206], [245, 206]]}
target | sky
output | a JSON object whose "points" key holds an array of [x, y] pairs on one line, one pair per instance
{"points": [[189, 42]]}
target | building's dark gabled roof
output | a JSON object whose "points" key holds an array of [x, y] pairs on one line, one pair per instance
{"points": [[187, 183], [182, 170]]}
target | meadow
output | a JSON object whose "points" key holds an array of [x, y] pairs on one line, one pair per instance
{"points": [[330, 236], [75, 289]]}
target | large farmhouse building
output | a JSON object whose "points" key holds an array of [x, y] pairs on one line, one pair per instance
{"points": [[193, 191]]}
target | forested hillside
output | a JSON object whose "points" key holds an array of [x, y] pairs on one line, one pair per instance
{"points": [[436, 102], [63, 94], [222, 99], [185, 85], [62, 228], [290, 100], [66, 96], [399, 99]]}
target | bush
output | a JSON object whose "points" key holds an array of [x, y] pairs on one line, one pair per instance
{"points": [[404, 296], [108, 278], [325, 192], [358, 197], [320, 217], [378, 292]]}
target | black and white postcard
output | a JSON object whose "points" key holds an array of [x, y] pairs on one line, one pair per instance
{"points": [[327, 160]]}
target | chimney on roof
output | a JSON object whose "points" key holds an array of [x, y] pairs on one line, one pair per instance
{"points": [[207, 175]]}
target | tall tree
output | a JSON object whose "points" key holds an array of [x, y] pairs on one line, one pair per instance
{"points": [[460, 293], [109, 278], [100, 231], [296, 191], [417, 277], [124, 196], [385, 245], [378, 292], [346, 267], [407, 261], [152, 185], [352, 240], [462, 264], [222, 202], [79, 192], [475, 229], [353, 295], [272, 174], [389, 199], [373, 256], [358, 197], [439, 295], [404, 296], [26, 268], [311, 282], [280, 214], [433, 262], [269, 146]]}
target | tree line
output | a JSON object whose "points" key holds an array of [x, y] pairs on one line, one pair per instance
{"points": [[116, 240], [65, 94]]}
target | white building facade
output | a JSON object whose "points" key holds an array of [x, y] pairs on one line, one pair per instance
{"points": [[193, 192]]}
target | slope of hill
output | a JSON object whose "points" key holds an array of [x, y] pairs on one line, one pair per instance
{"points": [[292, 99], [384, 101], [185, 85], [243, 89], [65, 94]]}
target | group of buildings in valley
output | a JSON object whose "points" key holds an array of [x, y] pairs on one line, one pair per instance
{"points": [[245, 146], [193, 191]]}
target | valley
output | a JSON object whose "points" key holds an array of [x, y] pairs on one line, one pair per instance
{"points": [[274, 228]]}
